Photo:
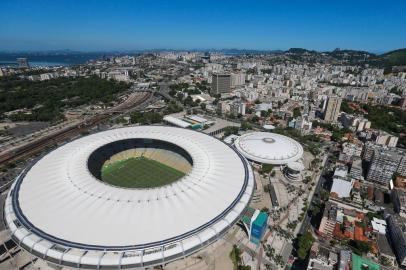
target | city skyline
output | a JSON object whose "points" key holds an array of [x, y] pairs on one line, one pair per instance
{"points": [[143, 25]]}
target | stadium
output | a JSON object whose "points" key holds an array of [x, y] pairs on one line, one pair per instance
{"points": [[128, 198], [269, 148]]}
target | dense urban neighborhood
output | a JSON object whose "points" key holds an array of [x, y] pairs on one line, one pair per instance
{"points": [[323, 134]]}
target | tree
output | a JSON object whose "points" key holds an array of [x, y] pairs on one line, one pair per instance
{"points": [[307, 179], [324, 194], [296, 112], [179, 96], [45, 100], [264, 113], [346, 108], [316, 210], [146, 118], [266, 168], [245, 125], [255, 119], [361, 246], [173, 107], [235, 256], [188, 101], [172, 92], [230, 130], [305, 243]]}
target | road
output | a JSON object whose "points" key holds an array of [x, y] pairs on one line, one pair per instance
{"points": [[269, 233], [320, 182], [305, 222]]}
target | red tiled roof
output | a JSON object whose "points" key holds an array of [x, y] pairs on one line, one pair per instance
{"points": [[359, 234]]}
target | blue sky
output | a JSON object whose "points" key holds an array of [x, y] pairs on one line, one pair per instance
{"points": [[90, 25]]}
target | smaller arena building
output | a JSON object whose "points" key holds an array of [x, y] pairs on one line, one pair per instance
{"points": [[269, 148]]}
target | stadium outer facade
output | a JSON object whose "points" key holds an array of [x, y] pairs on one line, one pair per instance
{"points": [[60, 212]]}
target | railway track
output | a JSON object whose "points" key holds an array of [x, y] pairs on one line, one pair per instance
{"points": [[70, 132]]}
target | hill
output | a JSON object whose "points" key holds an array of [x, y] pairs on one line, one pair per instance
{"points": [[394, 58], [350, 57], [300, 51]]}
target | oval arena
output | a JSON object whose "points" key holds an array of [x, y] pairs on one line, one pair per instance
{"points": [[127, 198]]}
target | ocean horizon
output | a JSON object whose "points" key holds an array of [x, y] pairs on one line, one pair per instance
{"points": [[48, 60]]}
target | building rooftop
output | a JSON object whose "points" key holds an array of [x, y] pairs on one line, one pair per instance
{"points": [[261, 219], [176, 121], [60, 201], [360, 263], [379, 225], [341, 187], [269, 148]]}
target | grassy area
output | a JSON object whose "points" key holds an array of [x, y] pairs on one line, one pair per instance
{"points": [[139, 172]]}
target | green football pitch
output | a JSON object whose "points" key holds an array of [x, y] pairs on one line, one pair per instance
{"points": [[140, 172]]}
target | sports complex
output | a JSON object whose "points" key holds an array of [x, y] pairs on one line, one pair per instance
{"points": [[269, 148], [128, 198]]}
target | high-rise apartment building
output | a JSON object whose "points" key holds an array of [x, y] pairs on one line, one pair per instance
{"points": [[398, 198], [237, 79], [221, 83], [384, 138], [402, 166], [383, 165], [397, 240], [332, 109], [237, 108]]}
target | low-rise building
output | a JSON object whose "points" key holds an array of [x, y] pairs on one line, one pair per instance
{"points": [[345, 260], [321, 258], [352, 149], [341, 188]]}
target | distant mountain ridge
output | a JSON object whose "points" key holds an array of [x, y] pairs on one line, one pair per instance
{"points": [[393, 58], [387, 60]]}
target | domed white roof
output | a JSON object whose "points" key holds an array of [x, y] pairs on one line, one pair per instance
{"points": [[58, 209], [270, 148]]}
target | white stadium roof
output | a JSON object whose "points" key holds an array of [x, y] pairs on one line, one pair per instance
{"points": [[269, 148], [59, 211]]}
